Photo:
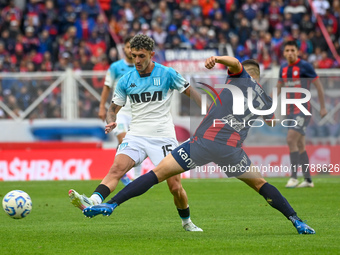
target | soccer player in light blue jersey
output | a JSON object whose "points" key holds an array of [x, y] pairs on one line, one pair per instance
{"points": [[149, 88], [114, 73]]}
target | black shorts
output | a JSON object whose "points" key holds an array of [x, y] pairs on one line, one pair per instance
{"points": [[233, 161], [302, 122]]}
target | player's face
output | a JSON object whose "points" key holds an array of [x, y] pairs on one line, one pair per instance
{"points": [[142, 59], [127, 50], [290, 53]]}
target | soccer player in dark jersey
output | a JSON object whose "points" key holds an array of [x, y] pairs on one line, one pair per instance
{"points": [[218, 139], [298, 73]]}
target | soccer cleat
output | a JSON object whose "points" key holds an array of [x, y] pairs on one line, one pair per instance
{"points": [[306, 184], [104, 209], [192, 227], [125, 180], [292, 183], [301, 227], [80, 201]]}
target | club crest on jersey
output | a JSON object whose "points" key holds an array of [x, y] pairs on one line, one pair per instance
{"points": [[157, 81]]}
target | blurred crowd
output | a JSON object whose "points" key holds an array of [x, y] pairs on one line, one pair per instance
{"points": [[54, 34]]}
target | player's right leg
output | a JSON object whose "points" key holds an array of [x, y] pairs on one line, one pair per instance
{"points": [[304, 162], [120, 136], [293, 137], [123, 122], [254, 179], [121, 165]]}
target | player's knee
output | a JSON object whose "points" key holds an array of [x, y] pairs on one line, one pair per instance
{"points": [[176, 189], [301, 145], [291, 141]]}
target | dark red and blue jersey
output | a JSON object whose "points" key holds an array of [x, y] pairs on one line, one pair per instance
{"points": [[221, 125], [297, 75]]}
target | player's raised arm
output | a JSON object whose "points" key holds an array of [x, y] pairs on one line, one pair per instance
{"points": [[111, 117], [318, 85], [232, 63]]}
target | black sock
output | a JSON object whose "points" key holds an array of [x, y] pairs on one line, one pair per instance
{"points": [[304, 162], [184, 213], [294, 160], [276, 200], [103, 191], [136, 188]]}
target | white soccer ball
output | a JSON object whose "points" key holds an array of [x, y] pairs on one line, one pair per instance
{"points": [[17, 204]]}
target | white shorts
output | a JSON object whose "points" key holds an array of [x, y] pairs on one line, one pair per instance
{"points": [[123, 123], [139, 148]]}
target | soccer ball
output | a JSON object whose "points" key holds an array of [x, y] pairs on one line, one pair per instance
{"points": [[17, 204]]}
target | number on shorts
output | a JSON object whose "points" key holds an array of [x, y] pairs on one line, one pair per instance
{"points": [[166, 149], [300, 120]]}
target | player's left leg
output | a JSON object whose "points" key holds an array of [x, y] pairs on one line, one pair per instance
{"points": [[254, 179], [167, 167], [157, 149], [304, 162], [181, 202]]}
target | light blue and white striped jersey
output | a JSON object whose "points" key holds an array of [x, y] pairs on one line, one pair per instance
{"points": [[150, 97], [114, 73]]}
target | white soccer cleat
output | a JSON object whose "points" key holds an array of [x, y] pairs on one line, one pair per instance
{"points": [[192, 227], [292, 183], [306, 184], [80, 201]]}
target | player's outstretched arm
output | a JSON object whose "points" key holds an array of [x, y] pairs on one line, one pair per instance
{"points": [[321, 96], [111, 117], [103, 99], [232, 63]]}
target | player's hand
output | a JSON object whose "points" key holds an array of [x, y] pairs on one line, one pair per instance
{"points": [[323, 112], [102, 113], [210, 62], [109, 127]]}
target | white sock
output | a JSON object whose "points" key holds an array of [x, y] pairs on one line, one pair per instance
{"points": [[185, 221], [96, 199]]}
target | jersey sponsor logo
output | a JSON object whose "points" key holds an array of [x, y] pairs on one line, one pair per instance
{"points": [[292, 83], [243, 164], [156, 81], [186, 159], [146, 97], [132, 85]]}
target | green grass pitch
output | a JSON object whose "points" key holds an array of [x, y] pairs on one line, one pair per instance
{"points": [[234, 218]]}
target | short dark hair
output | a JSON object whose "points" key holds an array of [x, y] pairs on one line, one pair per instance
{"points": [[291, 43], [251, 62], [142, 41], [127, 39]]}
